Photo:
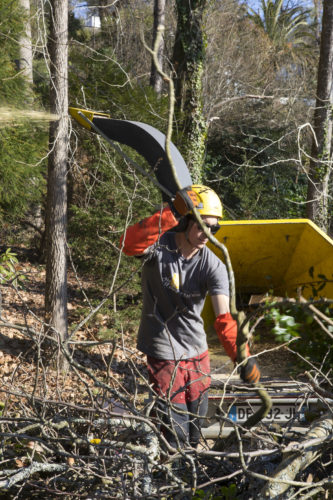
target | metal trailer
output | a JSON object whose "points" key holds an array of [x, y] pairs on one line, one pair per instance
{"points": [[294, 406]]}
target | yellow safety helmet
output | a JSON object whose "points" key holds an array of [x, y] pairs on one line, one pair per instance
{"points": [[209, 204]]}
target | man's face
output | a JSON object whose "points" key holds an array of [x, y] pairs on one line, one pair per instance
{"points": [[195, 236]]}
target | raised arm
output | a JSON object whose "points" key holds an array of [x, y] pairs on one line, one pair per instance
{"points": [[142, 235], [139, 237]]}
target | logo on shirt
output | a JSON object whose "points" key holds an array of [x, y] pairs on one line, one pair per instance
{"points": [[175, 281], [174, 284]]}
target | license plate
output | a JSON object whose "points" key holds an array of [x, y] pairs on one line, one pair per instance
{"points": [[278, 413]]}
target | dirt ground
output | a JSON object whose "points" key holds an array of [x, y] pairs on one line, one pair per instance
{"points": [[274, 361]]}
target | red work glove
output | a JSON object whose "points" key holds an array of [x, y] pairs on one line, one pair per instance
{"points": [[145, 233], [184, 201], [226, 329]]}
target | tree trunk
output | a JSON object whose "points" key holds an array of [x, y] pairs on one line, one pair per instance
{"points": [[320, 168], [105, 15], [156, 80], [317, 10], [56, 214], [188, 61], [25, 60]]}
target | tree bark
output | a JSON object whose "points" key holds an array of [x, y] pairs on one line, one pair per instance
{"points": [[56, 213], [156, 80], [25, 60], [188, 61], [320, 169]]}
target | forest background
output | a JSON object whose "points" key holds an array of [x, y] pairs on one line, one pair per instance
{"points": [[246, 121]]}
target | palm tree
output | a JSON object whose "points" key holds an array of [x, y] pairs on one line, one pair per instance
{"points": [[288, 28]]}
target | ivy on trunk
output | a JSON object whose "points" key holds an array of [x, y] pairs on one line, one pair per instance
{"points": [[188, 63]]}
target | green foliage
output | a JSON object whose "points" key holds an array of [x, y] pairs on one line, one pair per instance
{"points": [[12, 86], [22, 144], [259, 94], [102, 83], [296, 321], [284, 25], [254, 173], [105, 192], [285, 327], [8, 271], [99, 214], [76, 30], [223, 493], [21, 169], [318, 282], [7, 265]]}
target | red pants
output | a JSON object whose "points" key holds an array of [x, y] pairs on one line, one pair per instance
{"points": [[186, 384], [184, 381]]}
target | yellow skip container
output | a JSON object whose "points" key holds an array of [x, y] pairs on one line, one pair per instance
{"points": [[280, 256]]}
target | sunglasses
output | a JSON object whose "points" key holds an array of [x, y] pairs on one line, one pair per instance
{"points": [[212, 228]]}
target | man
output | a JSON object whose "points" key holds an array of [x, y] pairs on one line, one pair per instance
{"points": [[177, 274]]}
